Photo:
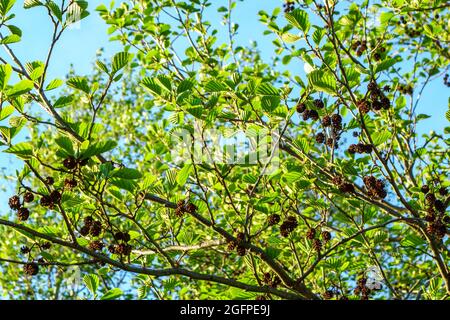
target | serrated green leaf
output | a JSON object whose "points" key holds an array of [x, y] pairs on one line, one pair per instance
{"points": [[183, 174], [299, 19], [55, 83], [6, 112], [289, 37], [91, 281], [112, 294], [127, 173], [266, 89], [23, 150], [20, 88], [120, 60], [79, 83]]}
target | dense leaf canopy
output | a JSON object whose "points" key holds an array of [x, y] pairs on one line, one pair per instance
{"points": [[350, 201]]}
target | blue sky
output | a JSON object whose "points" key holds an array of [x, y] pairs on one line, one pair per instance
{"points": [[79, 46]]}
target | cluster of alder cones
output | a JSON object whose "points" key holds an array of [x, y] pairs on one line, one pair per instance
{"points": [[437, 221], [332, 122]]}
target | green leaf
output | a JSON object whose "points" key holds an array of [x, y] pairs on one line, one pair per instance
{"points": [[386, 64], [112, 294], [92, 281], [215, 86], [381, 137], [289, 37], [79, 83], [447, 115], [55, 83], [292, 177], [102, 66], [63, 101], [318, 35], [66, 144], [151, 85], [5, 6], [27, 4], [142, 292], [299, 19], [12, 38], [322, 81], [6, 112], [183, 174], [266, 89], [164, 82], [120, 60], [20, 88], [5, 73], [270, 103], [55, 9], [23, 150], [185, 85], [99, 148], [127, 173]]}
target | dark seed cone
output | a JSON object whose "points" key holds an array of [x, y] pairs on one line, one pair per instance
{"points": [[320, 137], [25, 249], [318, 103], [49, 181], [70, 163], [347, 187], [326, 121], [311, 234], [95, 229], [231, 245], [430, 198], [46, 245], [443, 191], [70, 184], [31, 269], [273, 219], [123, 249], [112, 249], [313, 115], [28, 197], [126, 237], [301, 107], [336, 120], [83, 162], [47, 202], [439, 206], [337, 180], [23, 214], [288, 226], [241, 251], [14, 203], [55, 196], [305, 115], [96, 245], [326, 236], [328, 295], [363, 106], [317, 245], [425, 189], [84, 231], [88, 221], [372, 86], [385, 103], [191, 208]]}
